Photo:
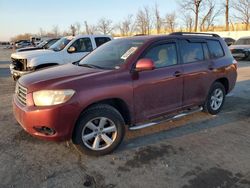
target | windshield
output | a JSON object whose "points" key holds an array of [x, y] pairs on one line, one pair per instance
{"points": [[243, 42], [111, 54], [60, 44], [50, 43], [40, 45]]}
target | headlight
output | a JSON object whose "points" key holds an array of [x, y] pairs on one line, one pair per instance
{"points": [[52, 97]]}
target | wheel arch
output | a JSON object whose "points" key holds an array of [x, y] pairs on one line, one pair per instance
{"points": [[117, 103], [224, 81]]}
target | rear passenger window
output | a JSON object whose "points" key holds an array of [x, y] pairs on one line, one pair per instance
{"points": [[101, 40], [191, 51], [215, 49]]}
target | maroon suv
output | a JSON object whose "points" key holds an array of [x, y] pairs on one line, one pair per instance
{"points": [[137, 82]]}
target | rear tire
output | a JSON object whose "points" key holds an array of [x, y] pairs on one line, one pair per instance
{"points": [[215, 99], [99, 130]]}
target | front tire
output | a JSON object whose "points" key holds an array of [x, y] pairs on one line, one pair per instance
{"points": [[215, 99], [100, 130]]}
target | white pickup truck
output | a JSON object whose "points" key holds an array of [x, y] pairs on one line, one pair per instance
{"points": [[66, 50]]}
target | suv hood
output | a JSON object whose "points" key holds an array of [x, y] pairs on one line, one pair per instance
{"points": [[48, 78], [31, 54], [27, 49]]}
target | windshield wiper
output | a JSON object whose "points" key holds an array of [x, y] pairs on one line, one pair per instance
{"points": [[91, 66]]}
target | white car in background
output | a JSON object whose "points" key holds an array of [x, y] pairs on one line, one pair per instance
{"points": [[241, 48], [66, 50]]}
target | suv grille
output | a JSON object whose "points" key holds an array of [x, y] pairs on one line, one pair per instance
{"points": [[20, 64], [21, 93]]}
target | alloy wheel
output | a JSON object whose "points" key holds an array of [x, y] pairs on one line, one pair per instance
{"points": [[216, 99], [99, 133]]}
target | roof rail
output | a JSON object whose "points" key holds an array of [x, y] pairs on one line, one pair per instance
{"points": [[193, 33]]}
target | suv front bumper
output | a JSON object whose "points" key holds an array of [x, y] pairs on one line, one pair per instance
{"points": [[59, 118]]}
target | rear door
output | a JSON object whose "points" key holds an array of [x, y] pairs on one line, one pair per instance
{"points": [[196, 71], [159, 91]]}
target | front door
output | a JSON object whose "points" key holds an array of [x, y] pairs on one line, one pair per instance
{"points": [[83, 46], [159, 91]]}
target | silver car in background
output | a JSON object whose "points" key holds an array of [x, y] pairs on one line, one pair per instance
{"points": [[241, 48]]}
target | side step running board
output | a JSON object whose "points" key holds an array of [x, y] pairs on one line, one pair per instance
{"points": [[141, 126]]}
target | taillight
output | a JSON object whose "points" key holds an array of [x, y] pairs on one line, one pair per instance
{"points": [[235, 63]]}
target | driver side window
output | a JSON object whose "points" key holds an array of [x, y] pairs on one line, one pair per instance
{"points": [[83, 45], [163, 55]]}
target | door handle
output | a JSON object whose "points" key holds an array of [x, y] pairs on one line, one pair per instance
{"points": [[210, 68], [177, 74]]}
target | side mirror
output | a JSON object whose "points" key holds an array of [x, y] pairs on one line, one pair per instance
{"points": [[71, 49], [144, 65]]}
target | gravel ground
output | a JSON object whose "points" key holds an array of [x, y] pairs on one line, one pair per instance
{"points": [[200, 150]]}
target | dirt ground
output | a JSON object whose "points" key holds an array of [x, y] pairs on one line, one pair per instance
{"points": [[198, 151]]}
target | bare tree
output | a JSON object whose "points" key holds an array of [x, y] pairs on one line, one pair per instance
{"points": [[41, 32], [89, 29], [92, 29], [143, 21], [242, 8], [105, 26], [194, 6], [188, 22], [232, 24], [86, 25], [66, 33], [73, 30], [171, 22], [78, 28], [158, 20], [55, 31], [126, 27], [211, 13]]}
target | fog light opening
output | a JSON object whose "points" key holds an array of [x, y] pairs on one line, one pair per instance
{"points": [[45, 130]]}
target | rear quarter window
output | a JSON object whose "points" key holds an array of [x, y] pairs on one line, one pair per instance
{"points": [[215, 49]]}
